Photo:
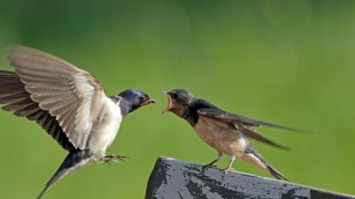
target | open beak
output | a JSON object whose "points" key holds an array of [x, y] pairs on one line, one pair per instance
{"points": [[168, 107]]}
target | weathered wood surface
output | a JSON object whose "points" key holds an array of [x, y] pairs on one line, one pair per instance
{"points": [[173, 178]]}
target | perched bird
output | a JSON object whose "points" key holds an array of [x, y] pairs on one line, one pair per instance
{"points": [[226, 132], [68, 103]]}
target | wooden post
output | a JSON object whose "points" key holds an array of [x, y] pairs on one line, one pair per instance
{"points": [[173, 178]]}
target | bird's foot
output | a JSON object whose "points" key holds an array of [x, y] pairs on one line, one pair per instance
{"points": [[205, 167], [228, 169], [114, 158]]}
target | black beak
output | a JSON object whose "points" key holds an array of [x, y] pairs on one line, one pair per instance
{"points": [[146, 102], [151, 101]]}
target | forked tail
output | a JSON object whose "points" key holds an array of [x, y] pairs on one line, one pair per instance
{"points": [[255, 158], [74, 160], [275, 173]]}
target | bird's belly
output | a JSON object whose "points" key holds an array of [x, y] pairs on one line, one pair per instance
{"points": [[104, 132], [224, 139]]}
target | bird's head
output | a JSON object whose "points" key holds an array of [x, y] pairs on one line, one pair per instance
{"points": [[134, 99], [178, 101]]}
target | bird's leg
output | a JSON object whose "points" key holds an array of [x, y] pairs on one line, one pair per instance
{"points": [[219, 156], [229, 168], [114, 158]]}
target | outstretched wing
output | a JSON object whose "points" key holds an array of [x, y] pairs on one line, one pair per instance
{"points": [[69, 94], [18, 101], [244, 124]]}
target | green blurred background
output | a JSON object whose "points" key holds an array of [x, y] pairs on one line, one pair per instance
{"points": [[291, 63]]}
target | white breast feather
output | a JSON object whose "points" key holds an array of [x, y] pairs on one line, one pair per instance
{"points": [[104, 131]]}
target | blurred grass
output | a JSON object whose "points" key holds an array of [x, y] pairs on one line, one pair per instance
{"points": [[285, 62]]}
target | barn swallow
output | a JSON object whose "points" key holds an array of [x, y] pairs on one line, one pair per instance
{"points": [[226, 132], [68, 103]]}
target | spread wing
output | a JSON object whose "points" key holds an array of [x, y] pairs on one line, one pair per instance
{"points": [[244, 124], [18, 101], [70, 95]]}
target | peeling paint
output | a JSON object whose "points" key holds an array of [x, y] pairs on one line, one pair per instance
{"points": [[172, 178]]}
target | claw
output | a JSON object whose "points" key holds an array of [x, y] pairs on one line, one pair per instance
{"points": [[228, 169], [205, 167], [114, 158]]}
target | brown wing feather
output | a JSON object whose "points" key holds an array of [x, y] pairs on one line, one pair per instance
{"points": [[17, 100], [239, 122], [60, 88], [247, 131], [230, 117]]}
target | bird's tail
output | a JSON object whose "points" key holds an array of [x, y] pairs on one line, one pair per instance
{"points": [[74, 160], [275, 172], [255, 158]]}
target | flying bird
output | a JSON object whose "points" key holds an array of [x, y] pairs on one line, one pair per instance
{"points": [[68, 103], [226, 132]]}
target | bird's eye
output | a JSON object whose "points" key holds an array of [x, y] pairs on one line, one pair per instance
{"points": [[174, 95], [144, 98]]}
